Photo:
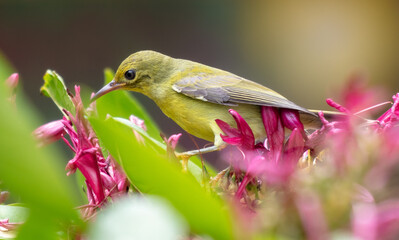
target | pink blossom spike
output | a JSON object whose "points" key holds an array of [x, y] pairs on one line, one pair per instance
{"points": [[104, 178], [12, 81]]}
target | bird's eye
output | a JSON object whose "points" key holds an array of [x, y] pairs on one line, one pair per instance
{"points": [[130, 74]]}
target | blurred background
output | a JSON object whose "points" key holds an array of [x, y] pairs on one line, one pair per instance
{"points": [[305, 50]]}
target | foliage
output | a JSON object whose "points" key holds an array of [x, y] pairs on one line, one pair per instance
{"points": [[336, 182]]}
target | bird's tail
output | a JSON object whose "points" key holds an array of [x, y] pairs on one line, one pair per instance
{"points": [[329, 115]]}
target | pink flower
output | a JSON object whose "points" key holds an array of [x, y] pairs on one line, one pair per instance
{"points": [[242, 136], [274, 161], [50, 132], [139, 123], [12, 81], [103, 176], [171, 144]]}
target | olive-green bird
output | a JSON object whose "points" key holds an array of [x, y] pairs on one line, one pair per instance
{"points": [[194, 95]]}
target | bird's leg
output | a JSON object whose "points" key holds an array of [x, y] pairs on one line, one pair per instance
{"points": [[191, 153], [219, 144], [184, 156]]}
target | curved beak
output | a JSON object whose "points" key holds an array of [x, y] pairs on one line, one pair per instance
{"points": [[106, 89]]}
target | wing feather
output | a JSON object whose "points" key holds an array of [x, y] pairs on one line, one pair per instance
{"points": [[232, 90]]}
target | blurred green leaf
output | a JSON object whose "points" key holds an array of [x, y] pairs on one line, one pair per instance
{"points": [[138, 217], [39, 225], [54, 87], [14, 213], [160, 147], [154, 174], [5, 68], [33, 173]]}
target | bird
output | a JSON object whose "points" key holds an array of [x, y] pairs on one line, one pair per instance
{"points": [[194, 95]]}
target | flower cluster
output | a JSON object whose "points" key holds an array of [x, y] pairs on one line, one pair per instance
{"points": [[358, 163], [274, 160], [104, 178]]}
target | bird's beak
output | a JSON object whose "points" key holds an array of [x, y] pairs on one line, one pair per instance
{"points": [[106, 89]]}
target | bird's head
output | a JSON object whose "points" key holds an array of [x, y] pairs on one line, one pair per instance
{"points": [[138, 73]]}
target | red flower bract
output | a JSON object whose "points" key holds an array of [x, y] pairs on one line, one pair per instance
{"points": [[275, 160]]}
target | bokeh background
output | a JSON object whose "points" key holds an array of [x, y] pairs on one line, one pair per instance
{"points": [[305, 50]]}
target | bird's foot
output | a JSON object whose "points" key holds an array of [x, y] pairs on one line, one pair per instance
{"points": [[184, 156]]}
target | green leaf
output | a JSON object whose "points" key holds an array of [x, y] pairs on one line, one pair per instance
{"points": [[39, 225], [137, 217], [157, 145], [160, 147], [154, 174], [54, 87], [30, 172], [5, 68], [15, 214]]}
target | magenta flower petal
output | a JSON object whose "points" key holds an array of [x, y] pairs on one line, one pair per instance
{"points": [[243, 127], [291, 120], [243, 136], [294, 148], [274, 130], [86, 162], [232, 134]]}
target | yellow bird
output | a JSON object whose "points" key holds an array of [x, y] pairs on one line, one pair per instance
{"points": [[194, 95]]}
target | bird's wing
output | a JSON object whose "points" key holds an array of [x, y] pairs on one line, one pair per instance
{"points": [[231, 90]]}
